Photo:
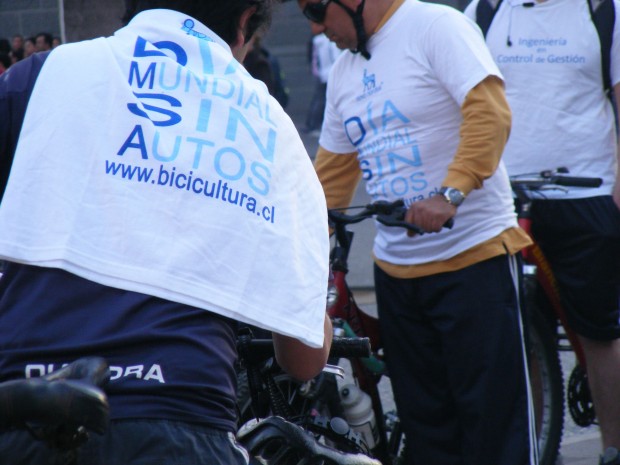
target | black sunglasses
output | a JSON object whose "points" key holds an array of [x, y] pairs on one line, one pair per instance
{"points": [[315, 12]]}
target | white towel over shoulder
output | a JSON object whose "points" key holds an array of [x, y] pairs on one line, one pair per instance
{"points": [[151, 161]]}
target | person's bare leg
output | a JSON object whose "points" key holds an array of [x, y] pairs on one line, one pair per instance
{"points": [[603, 360]]}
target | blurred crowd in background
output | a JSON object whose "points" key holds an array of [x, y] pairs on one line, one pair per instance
{"points": [[261, 63], [19, 47]]}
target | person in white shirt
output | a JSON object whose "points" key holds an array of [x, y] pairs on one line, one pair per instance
{"points": [[418, 111], [323, 54], [550, 55]]}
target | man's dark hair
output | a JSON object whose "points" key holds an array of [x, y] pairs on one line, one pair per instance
{"points": [[46, 36], [5, 45], [221, 16], [17, 54], [5, 59]]}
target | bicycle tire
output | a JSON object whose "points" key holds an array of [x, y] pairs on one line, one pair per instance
{"points": [[546, 379]]}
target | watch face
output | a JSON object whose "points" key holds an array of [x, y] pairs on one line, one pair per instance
{"points": [[453, 196]]}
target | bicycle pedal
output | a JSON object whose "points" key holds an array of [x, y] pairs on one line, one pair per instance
{"points": [[334, 370], [611, 456]]}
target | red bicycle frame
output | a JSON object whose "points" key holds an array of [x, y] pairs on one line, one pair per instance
{"points": [[533, 255]]}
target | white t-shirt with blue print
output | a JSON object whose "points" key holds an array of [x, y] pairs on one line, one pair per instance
{"points": [[401, 112], [561, 116]]}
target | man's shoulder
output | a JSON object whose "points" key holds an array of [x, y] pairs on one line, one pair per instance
{"points": [[21, 76]]}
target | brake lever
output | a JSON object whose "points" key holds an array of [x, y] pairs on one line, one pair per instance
{"points": [[383, 207]]}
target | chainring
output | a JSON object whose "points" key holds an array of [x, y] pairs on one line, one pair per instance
{"points": [[579, 399]]}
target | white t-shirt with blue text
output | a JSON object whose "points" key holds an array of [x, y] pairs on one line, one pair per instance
{"points": [[561, 116], [401, 112]]}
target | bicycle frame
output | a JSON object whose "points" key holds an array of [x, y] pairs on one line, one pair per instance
{"points": [[347, 314], [277, 437], [366, 372], [533, 255], [356, 322], [527, 187]]}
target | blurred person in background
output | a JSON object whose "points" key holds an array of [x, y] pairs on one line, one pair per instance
{"points": [[5, 62], [322, 55], [29, 47], [43, 41]]}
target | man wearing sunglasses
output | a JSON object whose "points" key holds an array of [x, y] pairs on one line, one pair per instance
{"points": [[418, 111], [317, 11]]}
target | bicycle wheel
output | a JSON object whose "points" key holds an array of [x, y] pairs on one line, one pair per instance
{"points": [[546, 380]]}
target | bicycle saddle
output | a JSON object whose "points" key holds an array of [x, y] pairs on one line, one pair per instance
{"points": [[275, 441], [70, 398]]}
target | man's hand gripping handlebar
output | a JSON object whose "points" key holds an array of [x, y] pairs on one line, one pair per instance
{"points": [[386, 213]]}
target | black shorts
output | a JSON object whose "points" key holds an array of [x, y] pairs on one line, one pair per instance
{"points": [[581, 240]]}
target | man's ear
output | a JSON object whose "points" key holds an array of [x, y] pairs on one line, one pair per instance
{"points": [[243, 26]]}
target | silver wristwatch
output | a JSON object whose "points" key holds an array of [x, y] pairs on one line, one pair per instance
{"points": [[453, 196]]}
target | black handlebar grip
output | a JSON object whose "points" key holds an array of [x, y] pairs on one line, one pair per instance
{"points": [[345, 347], [257, 350], [572, 181], [390, 221]]}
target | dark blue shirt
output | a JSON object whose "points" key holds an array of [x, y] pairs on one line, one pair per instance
{"points": [[168, 360], [16, 85]]}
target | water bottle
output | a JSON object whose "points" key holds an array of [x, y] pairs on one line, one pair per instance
{"points": [[359, 413]]}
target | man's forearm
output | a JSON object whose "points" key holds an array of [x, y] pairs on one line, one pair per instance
{"points": [[299, 360], [339, 175], [483, 135]]}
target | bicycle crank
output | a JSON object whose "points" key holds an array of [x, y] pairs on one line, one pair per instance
{"points": [[579, 399]]}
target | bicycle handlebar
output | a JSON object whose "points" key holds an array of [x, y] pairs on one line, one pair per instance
{"points": [[537, 181], [386, 213], [258, 350], [573, 181]]}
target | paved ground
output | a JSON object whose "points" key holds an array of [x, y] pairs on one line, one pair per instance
{"points": [[581, 450]]}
